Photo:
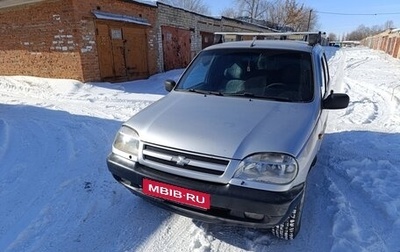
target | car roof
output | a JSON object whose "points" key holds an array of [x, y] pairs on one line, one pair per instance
{"points": [[265, 44]]}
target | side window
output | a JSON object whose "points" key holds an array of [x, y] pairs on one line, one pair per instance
{"points": [[328, 79], [325, 76]]}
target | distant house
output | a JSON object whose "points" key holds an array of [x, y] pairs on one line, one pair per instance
{"points": [[103, 40]]}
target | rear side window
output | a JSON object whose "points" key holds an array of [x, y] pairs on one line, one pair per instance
{"points": [[264, 74], [325, 76]]}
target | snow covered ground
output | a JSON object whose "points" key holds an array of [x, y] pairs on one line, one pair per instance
{"points": [[56, 193]]}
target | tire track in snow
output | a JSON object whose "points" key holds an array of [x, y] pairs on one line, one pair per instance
{"points": [[176, 233], [354, 63], [184, 233], [44, 172], [360, 103], [351, 232], [191, 235], [354, 178], [21, 175], [370, 104], [356, 111]]}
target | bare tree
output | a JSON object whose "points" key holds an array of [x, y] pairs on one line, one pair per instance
{"points": [[253, 9], [289, 13], [376, 29], [362, 31], [388, 25], [192, 5], [332, 37], [285, 15], [230, 12]]}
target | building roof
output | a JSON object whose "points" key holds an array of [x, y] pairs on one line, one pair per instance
{"points": [[119, 17], [10, 3]]}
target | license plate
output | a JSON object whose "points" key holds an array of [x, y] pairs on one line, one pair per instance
{"points": [[176, 194]]}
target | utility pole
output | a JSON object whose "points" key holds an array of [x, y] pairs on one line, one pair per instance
{"points": [[309, 21]]}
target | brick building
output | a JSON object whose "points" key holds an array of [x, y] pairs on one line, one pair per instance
{"points": [[85, 40], [182, 33], [388, 41], [109, 40]]}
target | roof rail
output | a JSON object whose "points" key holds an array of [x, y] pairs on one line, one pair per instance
{"points": [[312, 38]]}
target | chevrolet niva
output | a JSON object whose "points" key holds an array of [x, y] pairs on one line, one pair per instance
{"points": [[235, 138]]}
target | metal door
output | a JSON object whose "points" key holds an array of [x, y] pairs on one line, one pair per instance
{"points": [[104, 48], [122, 51], [118, 52], [135, 53], [207, 39], [396, 48], [176, 47]]}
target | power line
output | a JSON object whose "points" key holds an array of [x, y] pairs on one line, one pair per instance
{"points": [[358, 14]]}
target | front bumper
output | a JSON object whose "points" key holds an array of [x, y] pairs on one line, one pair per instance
{"points": [[229, 203]]}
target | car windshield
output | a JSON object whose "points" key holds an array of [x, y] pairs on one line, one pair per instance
{"points": [[266, 74]]}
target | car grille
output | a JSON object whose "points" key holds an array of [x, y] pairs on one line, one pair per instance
{"points": [[184, 160]]}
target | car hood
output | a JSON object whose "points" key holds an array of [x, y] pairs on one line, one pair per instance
{"points": [[230, 127]]}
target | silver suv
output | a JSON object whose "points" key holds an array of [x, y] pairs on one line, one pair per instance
{"points": [[234, 140]]}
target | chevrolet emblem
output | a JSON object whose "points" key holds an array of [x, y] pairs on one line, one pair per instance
{"points": [[180, 160]]}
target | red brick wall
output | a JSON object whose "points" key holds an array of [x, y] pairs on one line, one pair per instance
{"points": [[387, 42], [56, 38], [39, 40], [86, 24]]}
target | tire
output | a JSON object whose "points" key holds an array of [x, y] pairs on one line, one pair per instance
{"points": [[289, 229]]}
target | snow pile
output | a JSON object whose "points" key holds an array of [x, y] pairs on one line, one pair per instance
{"points": [[57, 194]]}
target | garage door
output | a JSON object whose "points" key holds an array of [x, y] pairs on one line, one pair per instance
{"points": [[122, 51], [176, 47]]}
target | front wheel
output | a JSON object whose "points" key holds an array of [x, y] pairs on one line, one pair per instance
{"points": [[289, 229]]}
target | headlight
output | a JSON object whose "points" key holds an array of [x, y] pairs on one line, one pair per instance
{"points": [[272, 168], [127, 141]]}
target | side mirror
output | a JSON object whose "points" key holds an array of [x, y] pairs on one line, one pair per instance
{"points": [[336, 101], [169, 85]]}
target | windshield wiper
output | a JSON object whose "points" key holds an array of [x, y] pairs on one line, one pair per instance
{"points": [[218, 93], [278, 98], [251, 95], [246, 94], [199, 91]]}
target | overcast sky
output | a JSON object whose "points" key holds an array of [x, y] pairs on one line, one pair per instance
{"points": [[337, 23]]}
